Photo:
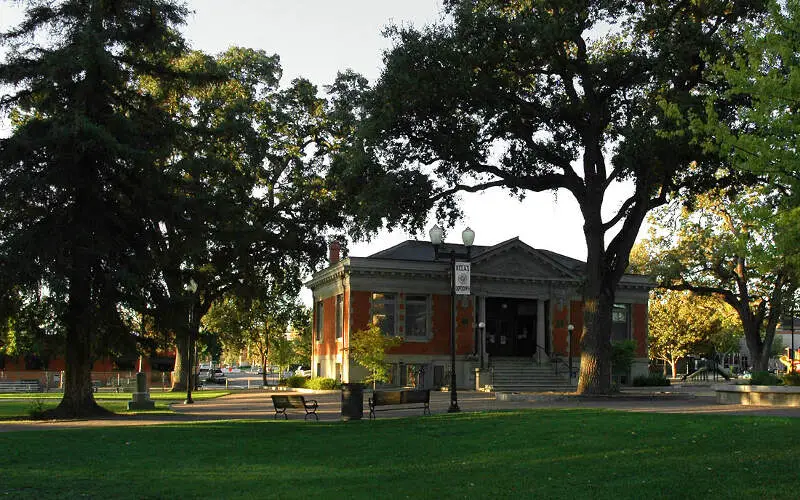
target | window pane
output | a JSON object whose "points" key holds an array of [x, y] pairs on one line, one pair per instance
{"points": [[416, 316], [383, 312], [619, 327], [339, 315], [320, 320]]}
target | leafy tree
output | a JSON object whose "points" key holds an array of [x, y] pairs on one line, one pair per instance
{"points": [[368, 348], [727, 248], [250, 205], [541, 95], [77, 172], [681, 323], [258, 324]]}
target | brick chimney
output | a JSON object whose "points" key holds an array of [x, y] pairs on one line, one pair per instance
{"points": [[335, 250]]}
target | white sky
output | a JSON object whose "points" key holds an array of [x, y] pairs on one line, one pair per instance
{"points": [[317, 38]]}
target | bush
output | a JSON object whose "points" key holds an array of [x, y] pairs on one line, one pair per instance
{"points": [[652, 380], [791, 378], [36, 409], [622, 354], [322, 384], [296, 381], [764, 378]]}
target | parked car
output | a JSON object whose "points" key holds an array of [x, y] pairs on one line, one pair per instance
{"points": [[216, 376], [302, 371]]}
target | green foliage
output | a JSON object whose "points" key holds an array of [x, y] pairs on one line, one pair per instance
{"points": [[651, 380], [622, 354], [791, 378], [36, 409], [573, 97], [764, 378], [323, 384], [294, 381], [86, 149], [726, 246], [682, 323], [368, 348]]}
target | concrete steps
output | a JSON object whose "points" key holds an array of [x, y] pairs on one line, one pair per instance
{"points": [[525, 375]]}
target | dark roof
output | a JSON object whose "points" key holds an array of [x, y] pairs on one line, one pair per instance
{"points": [[422, 251]]}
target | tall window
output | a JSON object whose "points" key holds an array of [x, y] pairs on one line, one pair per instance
{"points": [[320, 321], [339, 316], [416, 316], [384, 312], [620, 318]]}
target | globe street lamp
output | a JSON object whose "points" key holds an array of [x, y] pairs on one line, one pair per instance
{"points": [[468, 237], [190, 287], [570, 329]]}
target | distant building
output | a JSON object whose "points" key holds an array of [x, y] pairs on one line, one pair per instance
{"points": [[525, 298]]}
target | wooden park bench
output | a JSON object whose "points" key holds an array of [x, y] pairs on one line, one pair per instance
{"points": [[286, 402], [411, 399]]}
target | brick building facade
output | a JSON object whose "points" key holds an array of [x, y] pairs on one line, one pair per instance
{"points": [[522, 301]]}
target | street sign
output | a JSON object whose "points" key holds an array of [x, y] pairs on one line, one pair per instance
{"points": [[462, 278]]}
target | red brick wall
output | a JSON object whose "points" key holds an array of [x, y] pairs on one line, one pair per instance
{"points": [[639, 318], [560, 322], [360, 307], [328, 345]]}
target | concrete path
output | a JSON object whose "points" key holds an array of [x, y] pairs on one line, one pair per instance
{"points": [[257, 404]]}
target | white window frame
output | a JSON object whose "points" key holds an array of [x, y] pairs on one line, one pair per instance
{"points": [[339, 316], [319, 316]]}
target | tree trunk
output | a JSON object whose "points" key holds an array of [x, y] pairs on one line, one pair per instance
{"points": [[78, 400], [755, 346], [595, 375], [674, 365], [181, 363]]}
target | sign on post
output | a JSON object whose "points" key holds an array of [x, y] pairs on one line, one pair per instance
{"points": [[462, 278]]}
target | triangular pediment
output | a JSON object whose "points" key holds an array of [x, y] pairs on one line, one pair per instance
{"points": [[515, 259]]}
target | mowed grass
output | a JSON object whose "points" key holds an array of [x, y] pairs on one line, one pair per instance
{"points": [[19, 406], [521, 454]]}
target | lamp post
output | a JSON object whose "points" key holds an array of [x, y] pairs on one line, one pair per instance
{"points": [[570, 329], [791, 353], [190, 287], [468, 237]]}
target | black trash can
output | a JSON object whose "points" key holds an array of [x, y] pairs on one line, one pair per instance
{"points": [[352, 401]]}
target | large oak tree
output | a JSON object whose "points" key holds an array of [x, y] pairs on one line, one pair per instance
{"points": [[545, 95]]}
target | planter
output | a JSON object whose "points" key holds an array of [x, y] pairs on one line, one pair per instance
{"points": [[758, 395]]}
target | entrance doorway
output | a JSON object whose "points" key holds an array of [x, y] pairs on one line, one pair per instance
{"points": [[510, 327]]}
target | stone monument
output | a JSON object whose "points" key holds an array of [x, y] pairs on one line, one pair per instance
{"points": [[141, 398]]}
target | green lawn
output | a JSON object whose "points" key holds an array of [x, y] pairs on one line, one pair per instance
{"points": [[523, 454], [18, 406]]}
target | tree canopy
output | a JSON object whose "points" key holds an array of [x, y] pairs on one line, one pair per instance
{"points": [[541, 95], [682, 323], [727, 247], [76, 173]]}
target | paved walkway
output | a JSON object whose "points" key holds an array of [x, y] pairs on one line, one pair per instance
{"points": [[256, 404]]}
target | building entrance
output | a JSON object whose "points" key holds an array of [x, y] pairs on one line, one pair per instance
{"points": [[510, 326]]}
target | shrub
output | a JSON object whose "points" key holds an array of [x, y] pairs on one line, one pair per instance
{"points": [[296, 381], [36, 409], [791, 378], [651, 380], [622, 354], [764, 378], [322, 384]]}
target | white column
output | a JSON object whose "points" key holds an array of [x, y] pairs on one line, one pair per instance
{"points": [[540, 329]]}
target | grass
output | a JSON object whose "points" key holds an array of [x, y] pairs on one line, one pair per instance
{"points": [[18, 406], [525, 454]]}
